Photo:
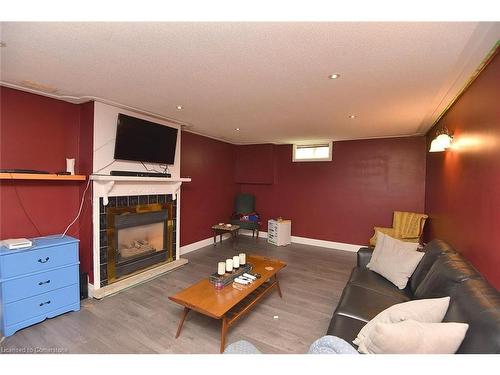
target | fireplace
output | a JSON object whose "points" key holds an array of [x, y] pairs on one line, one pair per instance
{"points": [[140, 241], [138, 233]]}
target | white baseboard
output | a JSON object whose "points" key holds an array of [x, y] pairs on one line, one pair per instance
{"points": [[328, 244], [295, 239], [202, 243], [313, 242], [196, 245]]}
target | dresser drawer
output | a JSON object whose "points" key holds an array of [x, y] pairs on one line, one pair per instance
{"points": [[41, 304], [38, 260], [16, 289]]}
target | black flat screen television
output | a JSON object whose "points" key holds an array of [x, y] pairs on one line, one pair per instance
{"points": [[145, 141]]}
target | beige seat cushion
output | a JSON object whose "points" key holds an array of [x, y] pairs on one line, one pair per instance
{"points": [[394, 259], [412, 337], [423, 310]]}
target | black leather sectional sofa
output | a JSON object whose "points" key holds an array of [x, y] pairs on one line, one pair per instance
{"points": [[441, 272]]}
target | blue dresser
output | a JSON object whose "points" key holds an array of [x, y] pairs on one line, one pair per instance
{"points": [[38, 282]]}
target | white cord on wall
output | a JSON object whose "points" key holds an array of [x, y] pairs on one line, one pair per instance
{"points": [[79, 210]]}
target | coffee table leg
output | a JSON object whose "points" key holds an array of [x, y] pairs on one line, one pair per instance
{"points": [[223, 334], [184, 314], [215, 237], [278, 285]]}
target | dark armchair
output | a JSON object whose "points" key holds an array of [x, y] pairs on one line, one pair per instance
{"points": [[244, 213]]}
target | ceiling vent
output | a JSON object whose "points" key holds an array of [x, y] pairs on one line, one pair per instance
{"points": [[38, 86]]}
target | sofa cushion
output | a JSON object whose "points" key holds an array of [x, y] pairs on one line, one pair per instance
{"points": [[446, 274], [412, 337], [345, 327], [423, 310], [394, 259], [432, 251], [477, 303], [372, 280], [364, 304]]}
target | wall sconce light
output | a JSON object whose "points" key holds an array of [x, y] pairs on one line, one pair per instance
{"points": [[441, 141]]}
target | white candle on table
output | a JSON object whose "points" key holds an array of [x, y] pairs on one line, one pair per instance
{"points": [[229, 265], [236, 261], [221, 268], [243, 259]]}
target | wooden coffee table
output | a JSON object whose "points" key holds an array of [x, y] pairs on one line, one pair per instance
{"points": [[230, 304]]}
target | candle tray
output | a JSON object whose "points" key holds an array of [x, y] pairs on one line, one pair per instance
{"points": [[228, 278]]}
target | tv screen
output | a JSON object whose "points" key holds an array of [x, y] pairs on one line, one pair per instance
{"points": [[144, 141]]}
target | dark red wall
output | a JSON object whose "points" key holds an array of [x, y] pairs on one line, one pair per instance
{"points": [[37, 132], [208, 199], [463, 184], [254, 164], [342, 200]]}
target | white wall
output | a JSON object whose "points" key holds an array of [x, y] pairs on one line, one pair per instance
{"points": [[105, 118]]}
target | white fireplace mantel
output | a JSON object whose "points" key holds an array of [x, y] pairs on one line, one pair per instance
{"points": [[106, 185]]}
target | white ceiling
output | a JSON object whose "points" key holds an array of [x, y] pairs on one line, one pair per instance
{"points": [[268, 79]]}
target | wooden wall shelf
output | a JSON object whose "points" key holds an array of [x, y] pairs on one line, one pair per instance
{"points": [[40, 176]]}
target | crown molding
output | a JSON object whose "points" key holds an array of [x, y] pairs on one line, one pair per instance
{"points": [[87, 98]]}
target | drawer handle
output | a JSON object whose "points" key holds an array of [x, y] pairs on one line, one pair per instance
{"points": [[44, 282], [43, 261], [44, 303]]}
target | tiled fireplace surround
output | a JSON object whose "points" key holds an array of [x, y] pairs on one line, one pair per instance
{"points": [[129, 201], [117, 192]]}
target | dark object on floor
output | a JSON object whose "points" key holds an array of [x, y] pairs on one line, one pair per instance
{"points": [[441, 272], [244, 213], [84, 285]]}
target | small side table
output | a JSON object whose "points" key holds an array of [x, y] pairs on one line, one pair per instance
{"points": [[221, 229]]}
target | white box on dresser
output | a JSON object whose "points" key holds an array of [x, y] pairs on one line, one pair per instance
{"points": [[279, 232]]}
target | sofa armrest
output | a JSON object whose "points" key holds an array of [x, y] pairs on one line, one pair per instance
{"points": [[364, 256]]}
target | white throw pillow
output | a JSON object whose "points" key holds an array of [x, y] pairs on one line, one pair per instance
{"points": [[394, 259], [430, 310], [411, 337]]}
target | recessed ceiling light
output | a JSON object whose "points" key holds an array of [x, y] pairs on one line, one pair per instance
{"points": [[352, 116], [237, 129], [179, 107], [334, 76]]}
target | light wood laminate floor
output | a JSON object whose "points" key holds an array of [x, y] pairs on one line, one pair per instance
{"points": [[142, 320]]}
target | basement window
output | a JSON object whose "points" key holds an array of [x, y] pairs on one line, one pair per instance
{"points": [[313, 152]]}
